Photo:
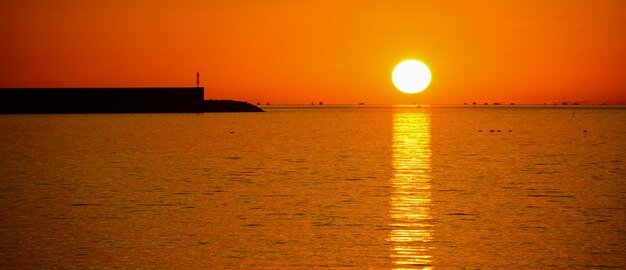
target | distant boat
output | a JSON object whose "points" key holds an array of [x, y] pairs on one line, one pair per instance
{"points": [[321, 103], [564, 103], [361, 103], [496, 103], [512, 103], [485, 103]]}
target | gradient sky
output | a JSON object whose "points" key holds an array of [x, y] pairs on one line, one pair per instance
{"points": [[331, 51]]}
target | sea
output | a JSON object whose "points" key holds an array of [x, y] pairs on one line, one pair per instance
{"points": [[307, 187]]}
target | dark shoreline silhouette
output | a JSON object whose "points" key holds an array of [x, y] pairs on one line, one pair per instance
{"points": [[115, 100]]}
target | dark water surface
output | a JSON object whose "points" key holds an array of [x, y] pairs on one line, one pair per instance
{"points": [[316, 187]]}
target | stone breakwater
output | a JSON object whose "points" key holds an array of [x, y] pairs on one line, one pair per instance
{"points": [[115, 100]]}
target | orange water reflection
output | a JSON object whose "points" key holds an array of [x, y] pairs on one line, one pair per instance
{"points": [[411, 198]]}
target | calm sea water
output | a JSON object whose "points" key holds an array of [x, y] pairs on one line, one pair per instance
{"points": [[316, 187]]}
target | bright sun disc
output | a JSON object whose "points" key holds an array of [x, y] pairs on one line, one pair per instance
{"points": [[411, 76]]}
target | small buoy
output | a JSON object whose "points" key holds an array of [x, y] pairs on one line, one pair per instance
{"points": [[499, 130], [232, 132], [510, 130], [584, 130], [480, 130], [492, 130]]}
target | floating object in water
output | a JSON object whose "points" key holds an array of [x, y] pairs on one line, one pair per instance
{"points": [[510, 130], [480, 130], [491, 130], [584, 130]]}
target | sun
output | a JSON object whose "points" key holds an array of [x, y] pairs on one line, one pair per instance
{"points": [[411, 76]]}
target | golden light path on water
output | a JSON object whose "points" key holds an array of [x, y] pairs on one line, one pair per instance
{"points": [[411, 198]]}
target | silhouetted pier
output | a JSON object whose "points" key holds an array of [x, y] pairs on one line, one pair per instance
{"points": [[115, 100]]}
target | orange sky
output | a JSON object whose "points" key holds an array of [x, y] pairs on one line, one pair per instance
{"points": [[331, 51]]}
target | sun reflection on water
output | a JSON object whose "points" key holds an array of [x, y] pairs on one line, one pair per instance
{"points": [[411, 198]]}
